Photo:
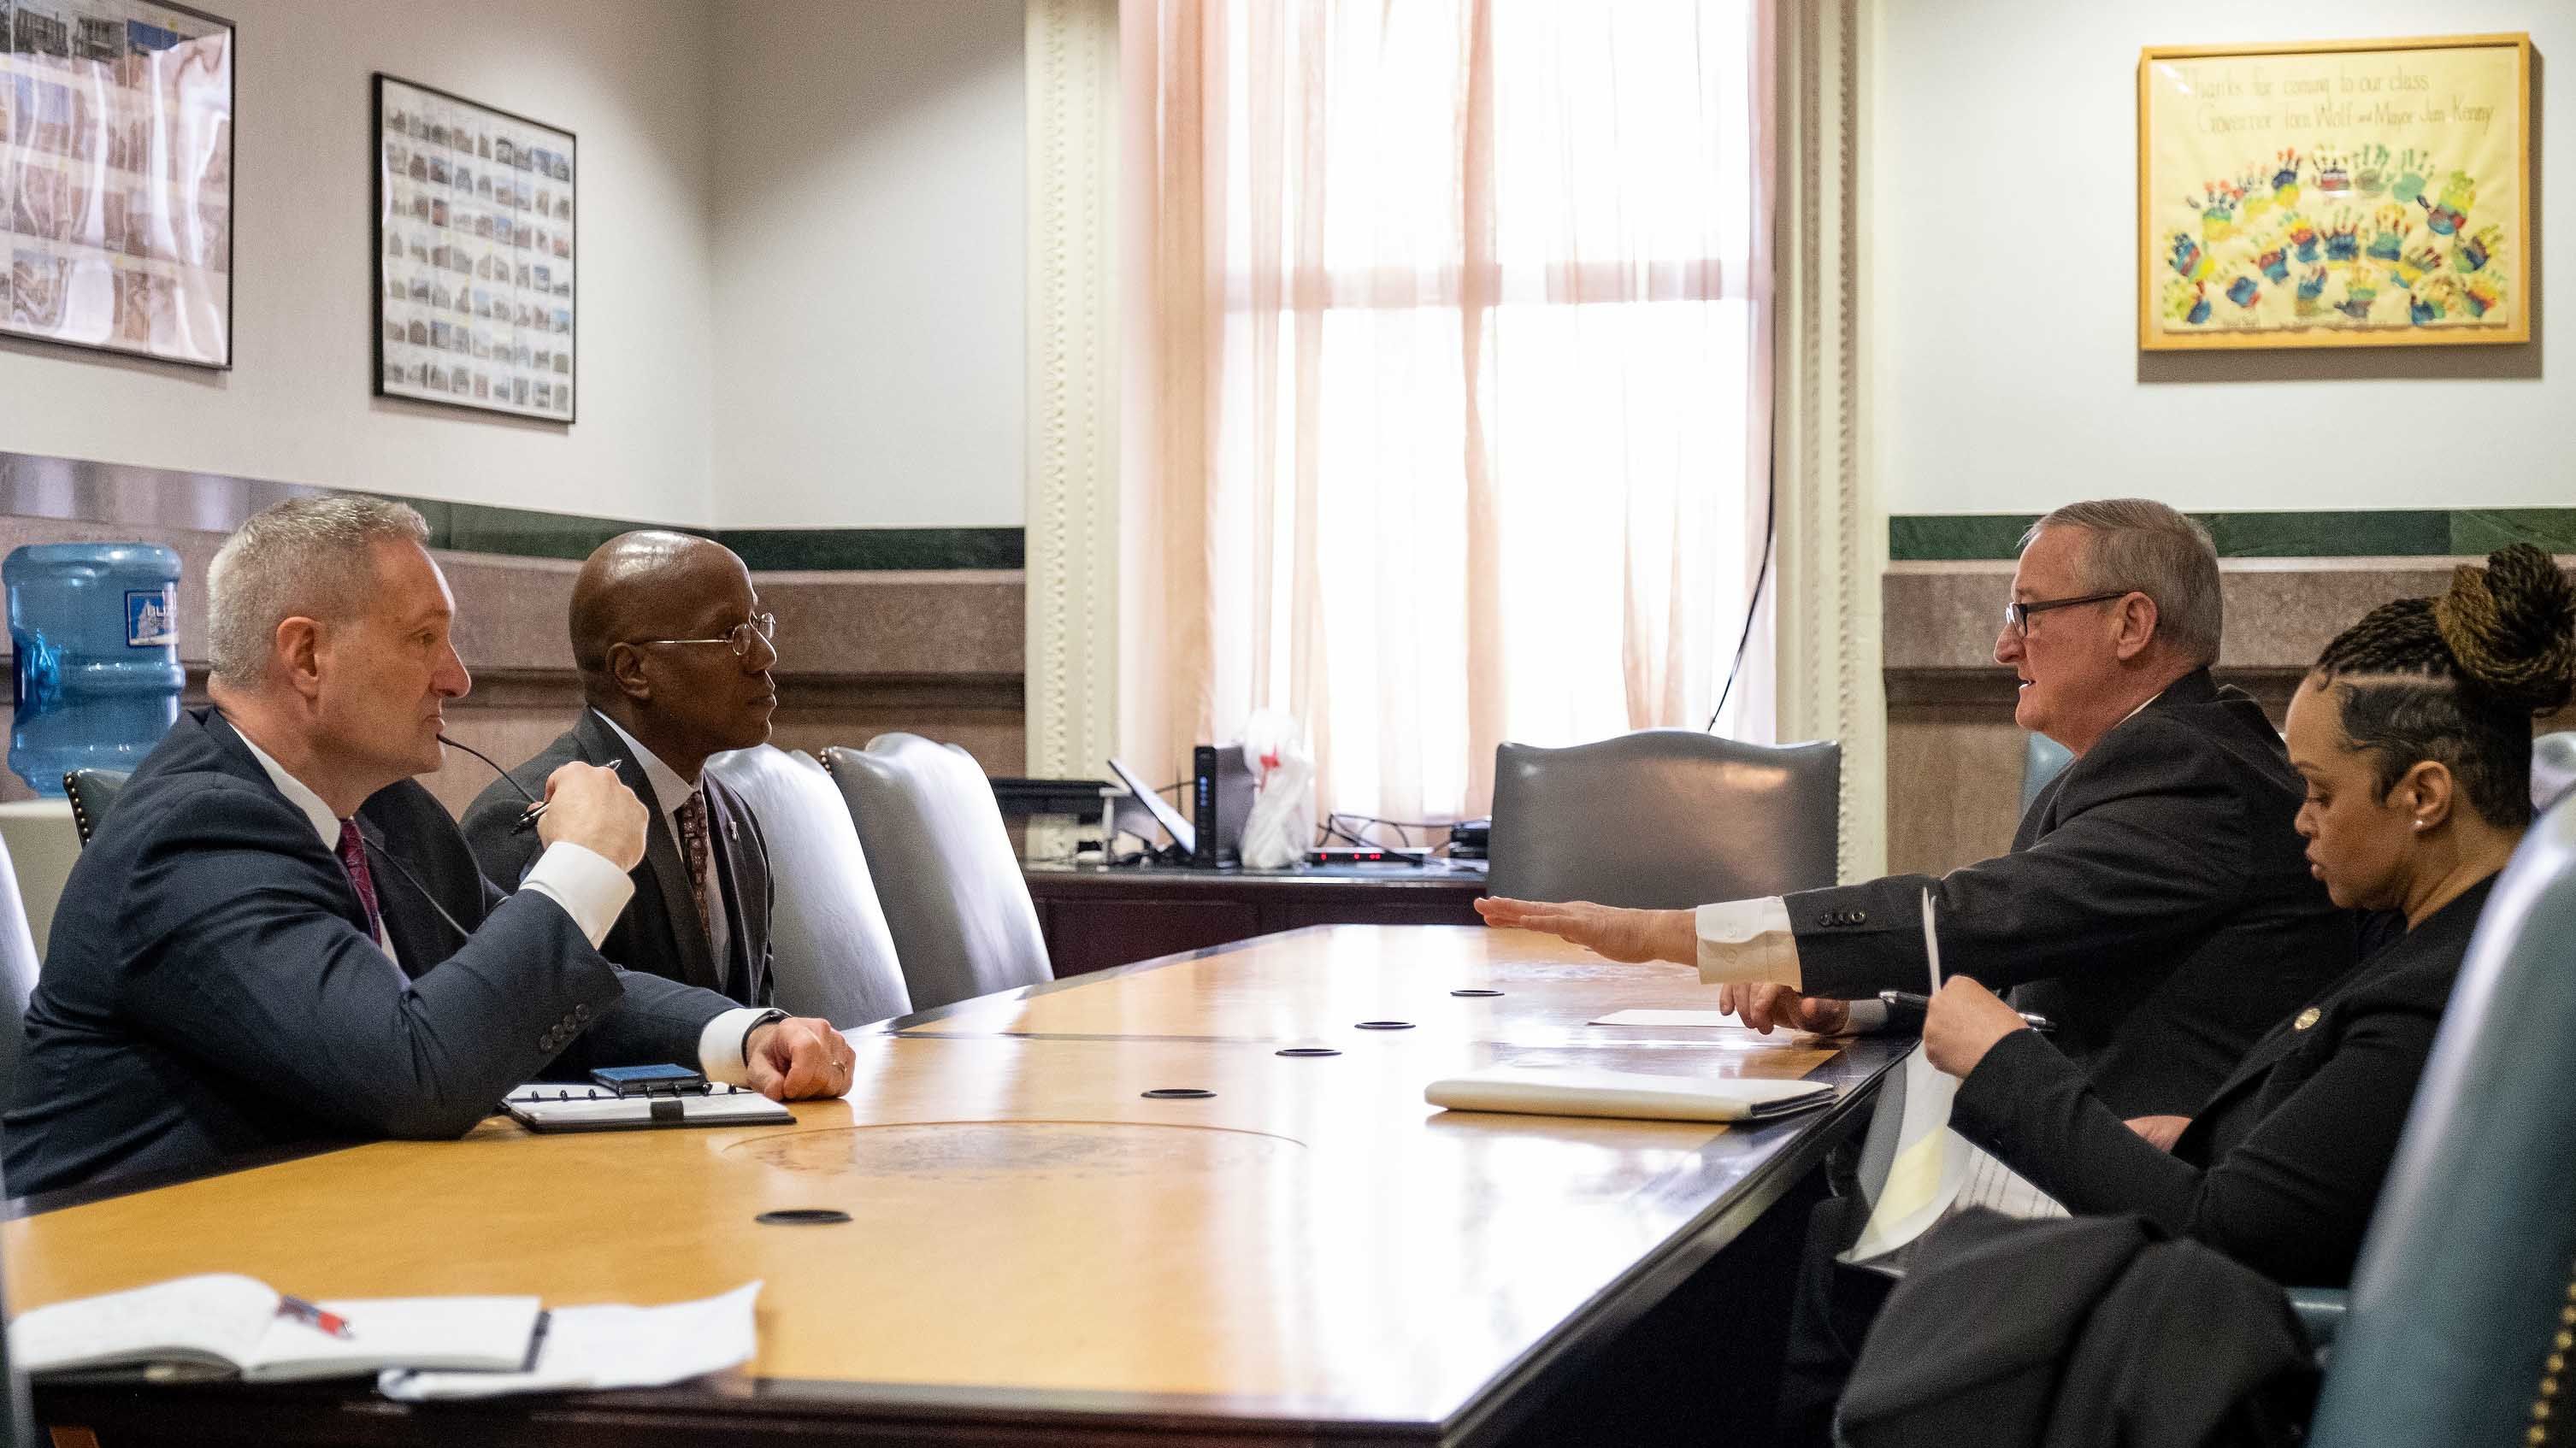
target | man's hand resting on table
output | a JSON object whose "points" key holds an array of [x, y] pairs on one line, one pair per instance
{"points": [[1622, 935], [798, 1059]]}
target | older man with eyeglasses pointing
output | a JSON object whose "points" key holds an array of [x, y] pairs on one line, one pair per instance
{"points": [[2156, 904], [674, 654]]}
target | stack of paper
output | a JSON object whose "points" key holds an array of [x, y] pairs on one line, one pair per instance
{"points": [[1549, 1092], [609, 1347]]}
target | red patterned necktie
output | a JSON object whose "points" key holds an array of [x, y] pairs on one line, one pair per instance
{"points": [[692, 815], [353, 858]]}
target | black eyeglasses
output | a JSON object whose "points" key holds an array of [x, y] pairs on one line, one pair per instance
{"points": [[2017, 615], [763, 626]]}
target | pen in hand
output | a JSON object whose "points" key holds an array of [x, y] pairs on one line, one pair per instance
{"points": [[315, 1315], [528, 821], [1918, 1005], [536, 806]]}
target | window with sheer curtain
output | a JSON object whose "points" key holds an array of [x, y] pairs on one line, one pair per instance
{"points": [[1450, 387]]}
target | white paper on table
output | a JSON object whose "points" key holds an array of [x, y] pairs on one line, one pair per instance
{"points": [[609, 1347], [1931, 1160], [1667, 1018]]}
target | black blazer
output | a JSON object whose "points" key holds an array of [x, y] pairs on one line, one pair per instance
{"points": [[662, 932], [2280, 1168], [2156, 905], [211, 987]]}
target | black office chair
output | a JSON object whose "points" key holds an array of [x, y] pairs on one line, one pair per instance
{"points": [[954, 898], [1664, 819], [2463, 1307], [93, 793]]}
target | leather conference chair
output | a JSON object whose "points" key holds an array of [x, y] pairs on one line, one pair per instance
{"points": [[2041, 760], [1663, 819], [17, 972], [93, 793], [954, 898], [832, 955], [2553, 768], [2459, 1323]]}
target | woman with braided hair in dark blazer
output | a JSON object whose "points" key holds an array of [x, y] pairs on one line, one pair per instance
{"points": [[2413, 733]]}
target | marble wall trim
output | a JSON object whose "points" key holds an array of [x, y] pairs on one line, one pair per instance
{"points": [[1954, 754], [934, 652], [2403, 532], [77, 491]]}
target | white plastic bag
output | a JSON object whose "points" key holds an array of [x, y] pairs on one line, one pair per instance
{"points": [[1283, 805]]}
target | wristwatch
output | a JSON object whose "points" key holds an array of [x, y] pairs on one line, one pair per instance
{"points": [[764, 1018]]}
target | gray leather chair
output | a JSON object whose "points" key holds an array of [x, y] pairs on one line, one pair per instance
{"points": [[832, 955], [2553, 768], [1663, 819], [2041, 760], [2462, 1305], [954, 898], [92, 793]]}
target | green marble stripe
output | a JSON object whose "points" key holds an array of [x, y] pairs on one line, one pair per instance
{"points": [[526, 533], [876, 549], [2399, 532]]}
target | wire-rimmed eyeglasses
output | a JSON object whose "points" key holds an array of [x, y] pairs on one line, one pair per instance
{"points": [[762, 626]]}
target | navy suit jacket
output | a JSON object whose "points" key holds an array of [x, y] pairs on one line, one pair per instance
{"points": [[661, 932], [211, 988]]}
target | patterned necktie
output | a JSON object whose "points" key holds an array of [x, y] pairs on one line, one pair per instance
{"points": [[693, 845], [353, 858]]}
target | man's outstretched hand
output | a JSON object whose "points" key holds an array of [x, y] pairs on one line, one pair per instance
{"points": [[1624, 935]]}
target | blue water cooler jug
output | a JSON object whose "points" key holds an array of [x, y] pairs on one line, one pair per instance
{"points": [[94, 637]]}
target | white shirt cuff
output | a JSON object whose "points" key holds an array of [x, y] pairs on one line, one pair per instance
{"points": [[580, 879], [720, 1046], [1748, 940]]}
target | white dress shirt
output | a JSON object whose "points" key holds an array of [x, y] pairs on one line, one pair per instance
{"points": [[724, 1034], [589, 888]]}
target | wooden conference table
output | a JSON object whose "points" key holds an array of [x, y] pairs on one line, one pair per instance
{"points": [[1040, 1253]]}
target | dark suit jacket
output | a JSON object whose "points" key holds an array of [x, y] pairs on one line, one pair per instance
{"points": [[2075, 1334], [2282, 1165], [211, 987], [2156, 905], [662, 932]]}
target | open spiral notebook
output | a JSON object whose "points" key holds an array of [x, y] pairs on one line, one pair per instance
{"points": [[570, 1106]]}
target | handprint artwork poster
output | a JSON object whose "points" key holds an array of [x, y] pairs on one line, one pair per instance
{"points": [[2348, 194]]}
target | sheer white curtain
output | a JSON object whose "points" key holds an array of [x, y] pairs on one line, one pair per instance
{"points": [[1449, 379]]}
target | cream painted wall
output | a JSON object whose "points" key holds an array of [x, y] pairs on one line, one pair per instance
{"points": [[630, 78], [2003, 272], [870, 263]]}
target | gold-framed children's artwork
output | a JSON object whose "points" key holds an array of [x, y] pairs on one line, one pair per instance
{"points": [[2359, 193]]}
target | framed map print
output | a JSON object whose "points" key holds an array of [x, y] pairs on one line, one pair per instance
{"points": [[2335, 194], [116, 177], [475, 255]]}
